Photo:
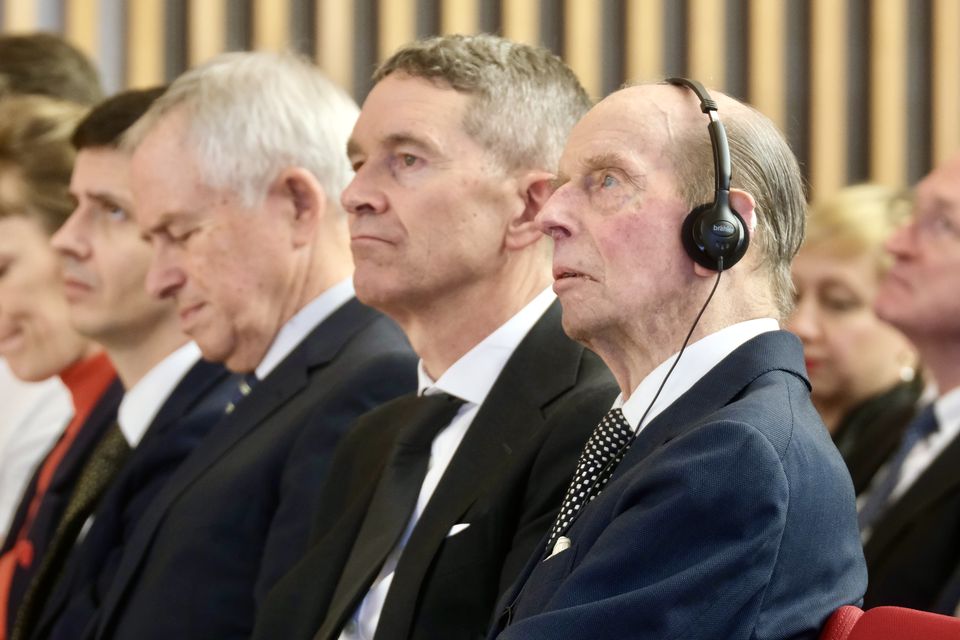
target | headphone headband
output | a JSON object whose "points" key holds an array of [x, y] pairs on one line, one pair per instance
{"points": [[718, 135], [713, 234]]}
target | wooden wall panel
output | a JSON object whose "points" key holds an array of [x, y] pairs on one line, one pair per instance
{"points": [[271, 25], [767, 72], [206, 30], [459, 16], [19, 15], [582, 47], [705, 42], [521, 20], [81, 25], [145, 43], [824, 70], [644, 40], [828, 26], [335, 33], [946, 80], [397, 25], [888, 86]]}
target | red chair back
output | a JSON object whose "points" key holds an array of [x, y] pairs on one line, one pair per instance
{"points": [[889, 623]]}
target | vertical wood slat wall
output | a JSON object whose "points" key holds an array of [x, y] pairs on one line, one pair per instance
{"points": [[806, 74]]}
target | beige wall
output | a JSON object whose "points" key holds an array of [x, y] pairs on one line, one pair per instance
{"points": [[866, 89]]}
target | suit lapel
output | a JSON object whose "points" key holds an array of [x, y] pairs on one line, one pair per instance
{"points": [[543, 367], [936, 480], [285, 382], [771, 351], [102, 466], [192, 388], [103, 415]]}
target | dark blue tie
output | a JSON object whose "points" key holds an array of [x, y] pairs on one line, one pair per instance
{"points": [[244, 386], [879, 497]]}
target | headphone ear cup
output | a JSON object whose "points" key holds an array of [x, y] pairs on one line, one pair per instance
{"points": [[713, 231]]}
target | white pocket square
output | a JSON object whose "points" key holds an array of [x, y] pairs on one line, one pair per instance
{"points": [[457, 528], [563, 543]]}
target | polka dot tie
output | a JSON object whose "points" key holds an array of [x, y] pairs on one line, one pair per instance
{"points": [[603, 452]]}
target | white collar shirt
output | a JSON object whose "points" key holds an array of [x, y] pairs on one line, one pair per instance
{"points": [[698, 358], [470, 378], [302, 323], [142, 402]]}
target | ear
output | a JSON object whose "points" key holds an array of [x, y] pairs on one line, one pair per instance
{"points": [[535, 188], [305, 202], [744, 204]]}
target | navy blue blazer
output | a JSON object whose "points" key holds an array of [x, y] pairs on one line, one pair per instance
{"points": [[732, 516], [501, 491], [236, 514], [188, 414], [101, 418]]}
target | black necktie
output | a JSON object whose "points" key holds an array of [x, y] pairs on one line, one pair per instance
{"points": [[391, 506], [601, 455], [879, 497], [244, 386]]}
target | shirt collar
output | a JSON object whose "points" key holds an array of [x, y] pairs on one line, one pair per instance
{"points": [[303, 322], [471, 377], [698, 358], [947, 410], [141, 402]]}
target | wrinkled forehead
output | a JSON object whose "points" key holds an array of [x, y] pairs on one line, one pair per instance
{"points": [[649, 117], [640, 125], [942, 186]]}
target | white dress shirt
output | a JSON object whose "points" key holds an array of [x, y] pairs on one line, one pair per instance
{"points": [[141, 402], [32, 417], [469, 378], [698, 359], [302, 323], [947, 410]]}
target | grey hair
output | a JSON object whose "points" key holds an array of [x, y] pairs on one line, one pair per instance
{"points": [[250, 115], [526, 100], [764, 166]]}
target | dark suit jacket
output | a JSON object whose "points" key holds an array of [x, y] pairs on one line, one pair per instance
{"points": [[236, 514], [54, 503], [915, 545], [188, 414], [730, 517], [870, 433], [506, 480]]}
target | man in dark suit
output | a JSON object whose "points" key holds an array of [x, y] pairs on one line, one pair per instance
{"points": [[454, 150], [721, 509], [171, 398], [236, 183], [913, 541]]}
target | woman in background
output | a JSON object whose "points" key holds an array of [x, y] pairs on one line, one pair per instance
{"points": [[863, 371], [37, 340]]}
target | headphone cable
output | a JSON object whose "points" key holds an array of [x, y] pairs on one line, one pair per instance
{"points": [[683, 347]]}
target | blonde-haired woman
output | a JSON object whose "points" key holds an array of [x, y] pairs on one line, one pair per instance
{"points": [[863, 371]]}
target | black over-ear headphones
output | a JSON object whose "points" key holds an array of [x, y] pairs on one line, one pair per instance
{"points": [[713, 234]]}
